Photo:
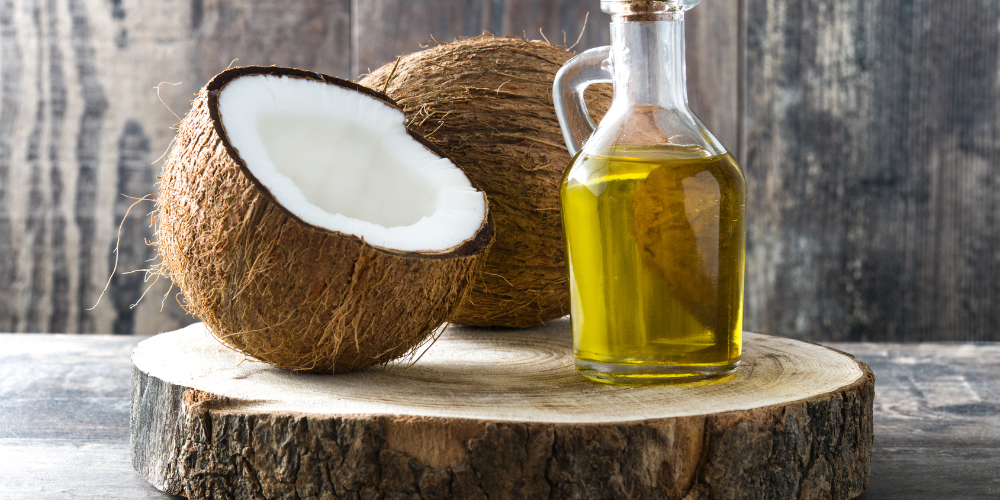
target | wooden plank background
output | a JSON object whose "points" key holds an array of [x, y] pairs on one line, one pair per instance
{"points": [[868, 132], [81, 123], [874, 165]]}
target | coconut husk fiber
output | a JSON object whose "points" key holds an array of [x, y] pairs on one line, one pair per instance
{"points": [[276, 288], [487, 103]]}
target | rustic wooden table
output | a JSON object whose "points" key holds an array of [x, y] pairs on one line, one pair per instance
{"points": [[64, 410]]}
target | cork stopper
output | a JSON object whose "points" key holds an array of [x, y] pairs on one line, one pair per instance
{"points": [[646, 10]]}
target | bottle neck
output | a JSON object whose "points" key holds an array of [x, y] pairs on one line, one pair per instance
{"points": [[648, 62]]}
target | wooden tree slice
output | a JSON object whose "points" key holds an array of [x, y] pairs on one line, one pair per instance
{"points": [[498, 414]]}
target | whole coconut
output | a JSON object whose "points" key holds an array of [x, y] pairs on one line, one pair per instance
{"points": [[487, 103]]}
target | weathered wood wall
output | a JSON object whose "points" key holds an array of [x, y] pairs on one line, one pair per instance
{"points": [[871, 133], [81, 124], [873, 161], [387, 28]]}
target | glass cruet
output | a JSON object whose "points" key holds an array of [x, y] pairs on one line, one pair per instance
{"points": [[653, 209]]}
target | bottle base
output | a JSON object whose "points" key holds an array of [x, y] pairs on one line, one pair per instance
{"points": [[634, 374]]}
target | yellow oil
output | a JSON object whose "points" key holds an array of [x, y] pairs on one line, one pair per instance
{"points": [[655, 240]]}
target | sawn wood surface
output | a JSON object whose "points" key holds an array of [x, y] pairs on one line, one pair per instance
{"points": [[500, 415], [64, 419]]}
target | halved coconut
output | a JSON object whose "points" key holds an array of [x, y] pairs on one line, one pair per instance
{"points": [[308, 228]]}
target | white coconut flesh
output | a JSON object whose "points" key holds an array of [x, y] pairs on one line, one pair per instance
{"points": [[342, 160]]}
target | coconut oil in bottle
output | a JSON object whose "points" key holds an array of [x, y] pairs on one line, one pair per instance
{"points": [[655, 246], [654, 211]]}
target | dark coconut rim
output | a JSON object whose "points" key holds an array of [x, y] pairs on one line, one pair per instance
{"points": [[478, 244]]}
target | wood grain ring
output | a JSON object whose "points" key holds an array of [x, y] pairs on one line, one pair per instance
{"points": [[499, 414]]}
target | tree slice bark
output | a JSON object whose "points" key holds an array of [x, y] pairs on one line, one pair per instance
{"points": [[495, 415]]}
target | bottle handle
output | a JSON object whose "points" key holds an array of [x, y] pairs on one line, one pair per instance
{"points": [[592, 66]]}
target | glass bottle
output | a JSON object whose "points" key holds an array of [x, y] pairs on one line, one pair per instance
{"points": [[653, 210]]}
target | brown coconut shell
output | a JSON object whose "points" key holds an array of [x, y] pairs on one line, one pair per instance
{"points": [[280, 290], [487, 103]]}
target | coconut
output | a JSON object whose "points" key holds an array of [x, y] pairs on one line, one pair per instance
{"points": [[487, 103], [308, 228]]}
